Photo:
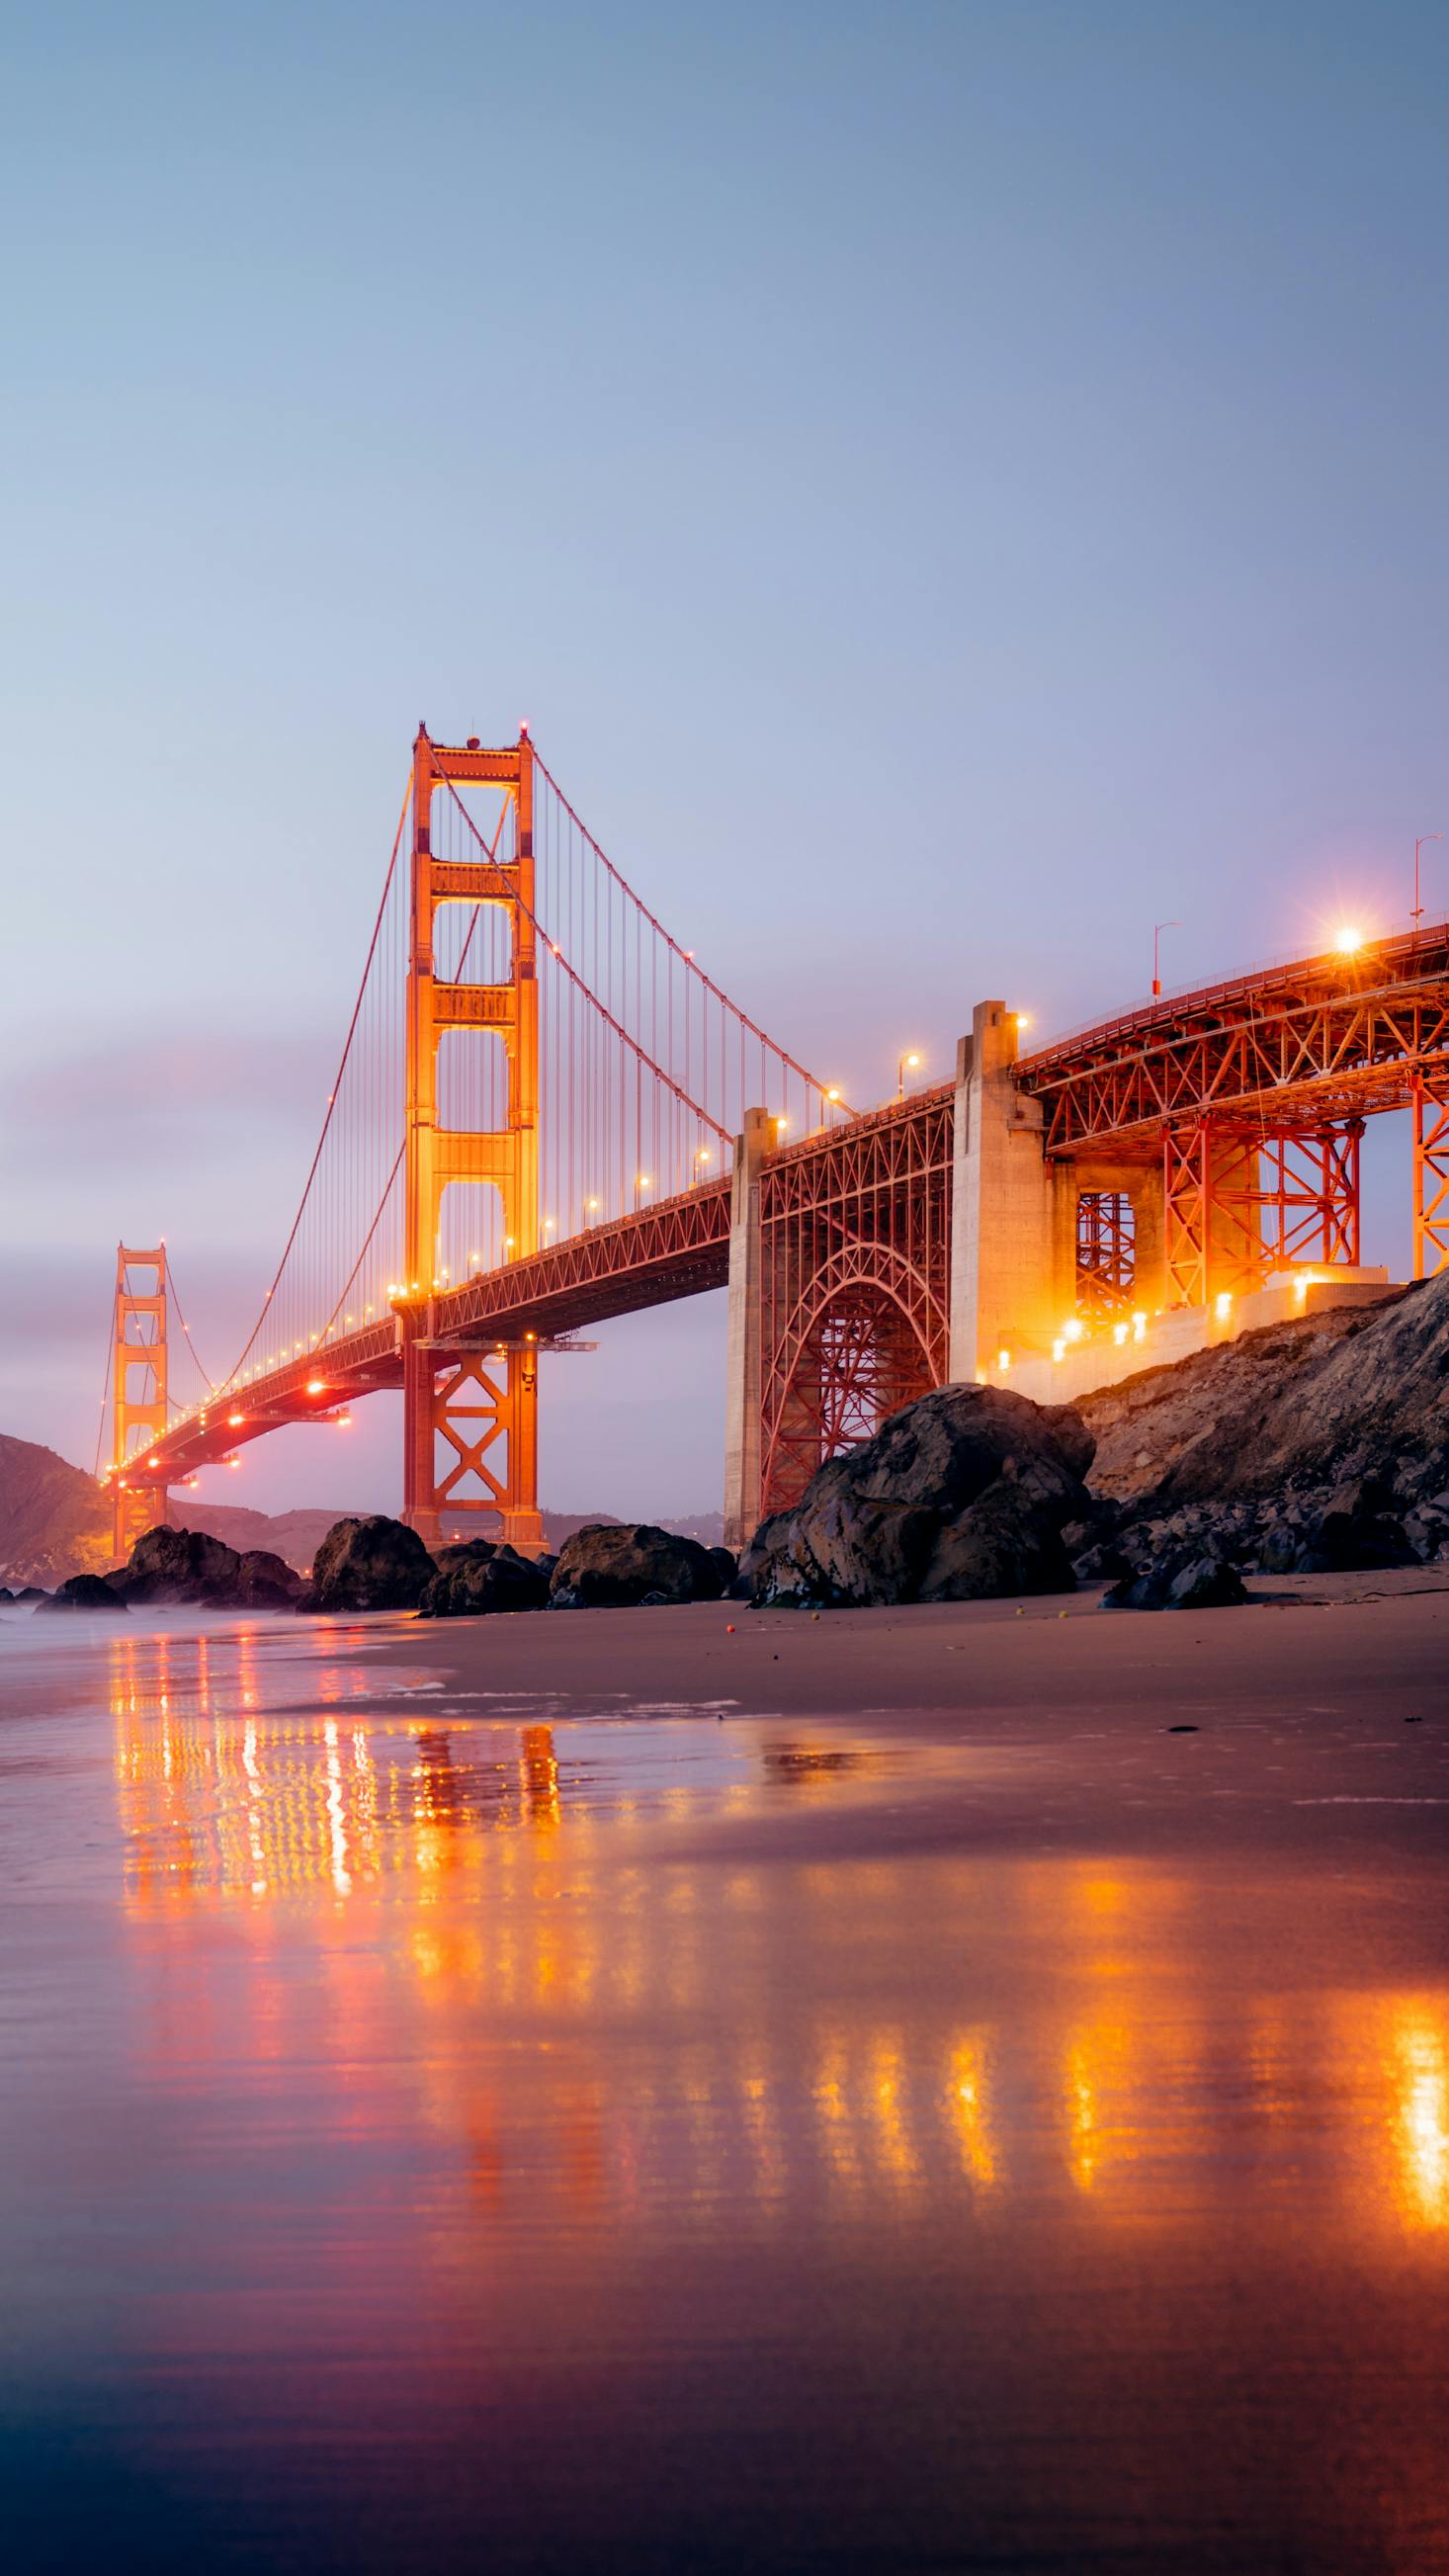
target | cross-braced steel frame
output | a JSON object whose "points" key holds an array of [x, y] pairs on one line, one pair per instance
{"points": [[855, 1261], [1431, 1174], [1242, 1203], [1106, 1252]]}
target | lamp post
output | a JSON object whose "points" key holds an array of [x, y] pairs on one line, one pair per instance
{"points": [[1418, 912], [907, 1064], [1158, 928]]}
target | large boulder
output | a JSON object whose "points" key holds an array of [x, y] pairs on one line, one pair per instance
{"points": [[83, 1592], [610, 1566], [267, 1582], [179, 1565], [369, 1563], [961, 1496], [478, 1578]]}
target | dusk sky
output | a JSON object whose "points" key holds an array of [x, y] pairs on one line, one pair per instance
{"points": [[947, 486]]}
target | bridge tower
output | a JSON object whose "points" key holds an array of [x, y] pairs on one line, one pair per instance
{"points": [[138, 1385], [470, 1417]]}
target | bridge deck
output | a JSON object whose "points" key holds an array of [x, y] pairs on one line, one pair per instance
{"points": [[1330, 1036]]}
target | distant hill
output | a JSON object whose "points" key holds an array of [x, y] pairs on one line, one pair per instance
{"points": [[55, 1520]]}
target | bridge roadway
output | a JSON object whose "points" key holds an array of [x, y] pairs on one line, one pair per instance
{"points": [[1327, 1037]]}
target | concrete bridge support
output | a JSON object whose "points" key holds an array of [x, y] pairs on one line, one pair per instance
{"points": [[744, 1392], [1013, 1215]]}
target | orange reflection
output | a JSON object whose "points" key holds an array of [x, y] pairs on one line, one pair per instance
{"points": [[478, 1883]]}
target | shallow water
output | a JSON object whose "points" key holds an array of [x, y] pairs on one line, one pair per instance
{"points": [[448, 2129]]}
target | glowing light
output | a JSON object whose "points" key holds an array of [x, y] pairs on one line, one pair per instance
{"points": [[1022, 1019], [1223, 1305], [343, 1420], [236, 1420], [153, 1462], [1059, 1348], [833, 1093], [550, 1224], [1003, 1359], [315, 1385], [591, 1205], [1074, 1328], [1348, 940], [1119, 1334], [703, 1154]]}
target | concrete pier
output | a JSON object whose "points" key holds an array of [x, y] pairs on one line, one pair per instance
{"points": [[743, 1358]]}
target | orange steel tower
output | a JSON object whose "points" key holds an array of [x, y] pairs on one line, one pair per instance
{"points": [[470, 1415], [139, 1360]]}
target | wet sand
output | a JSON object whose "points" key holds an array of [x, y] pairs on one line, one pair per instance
{"points": [[600, 2092]]}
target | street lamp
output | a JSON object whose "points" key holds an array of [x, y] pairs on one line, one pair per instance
{"points": [[1158, 928], [907, 1064], [1418, 912]]}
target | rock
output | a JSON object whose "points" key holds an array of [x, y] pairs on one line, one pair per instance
{"points": [[889, 1520], [464, 1551], [172, 1565], [1353, 1531], [369, 1563], [1280, 1550], [1004, 1544], [727, 1563], [611, 1565], [83, 1592], [483, 1578], [1101, 1564], [1199, 1583], [267, 1582]]}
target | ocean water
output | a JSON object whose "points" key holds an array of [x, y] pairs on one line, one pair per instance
{"points": [[452, 2129]]}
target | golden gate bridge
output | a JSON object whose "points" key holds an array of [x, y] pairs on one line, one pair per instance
{"points": [[546, 1113]]}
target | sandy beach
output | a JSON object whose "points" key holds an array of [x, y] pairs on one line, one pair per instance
{"points": [[704, 2089]]}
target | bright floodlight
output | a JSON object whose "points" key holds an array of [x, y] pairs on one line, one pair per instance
{"points": [[1348, 939]]}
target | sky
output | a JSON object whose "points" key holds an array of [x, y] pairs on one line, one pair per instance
{"points": [[947, 486]]}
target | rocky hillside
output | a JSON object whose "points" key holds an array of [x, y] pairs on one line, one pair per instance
{"points": [[54, 1519], [1310, 1446], [1296, 1400]]}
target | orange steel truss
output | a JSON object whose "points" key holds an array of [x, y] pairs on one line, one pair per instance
{"points": [[137, 1419], [1242, 1203], [1431, 1175], [1106, 1246], [470, 1427], [1327, 1038], [855, 1270]]}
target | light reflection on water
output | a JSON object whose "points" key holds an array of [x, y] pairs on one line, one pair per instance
{"points": [[678, 2057]]}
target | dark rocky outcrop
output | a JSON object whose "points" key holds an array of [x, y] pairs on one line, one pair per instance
{"points": [[179, 1565], [369, 1563], [961, 1496], [1192, 1583], [479, 1578], [1317, 1446], [614, 1566], [83, 1592]]}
